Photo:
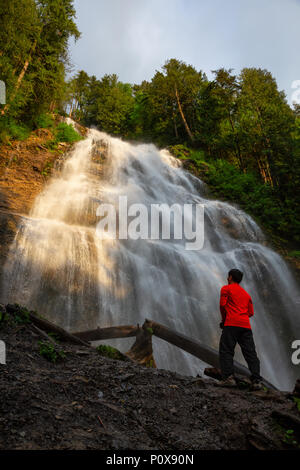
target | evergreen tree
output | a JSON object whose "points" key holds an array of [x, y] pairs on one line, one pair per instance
{"points": [[34, 54]]}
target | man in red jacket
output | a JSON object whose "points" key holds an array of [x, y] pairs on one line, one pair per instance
{"points": [[236, 308]]}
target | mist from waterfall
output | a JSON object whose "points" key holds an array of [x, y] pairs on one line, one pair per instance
{"points": [[58, 266]]}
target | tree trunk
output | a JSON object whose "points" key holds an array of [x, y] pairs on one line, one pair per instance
{"points": [[175, 126], [142, 351], [52, 106], [182, 115], [266, 146], [239, 155]]}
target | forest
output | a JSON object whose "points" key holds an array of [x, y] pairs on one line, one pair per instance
{"points": [[237, 130]]}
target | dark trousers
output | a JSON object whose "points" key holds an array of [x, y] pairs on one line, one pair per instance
{"points": [[244, 337]]}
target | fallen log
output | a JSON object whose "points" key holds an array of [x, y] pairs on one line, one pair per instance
{"points": [[43, 334], [125, 331], [52, 328], [44, 324], [196, 348]]}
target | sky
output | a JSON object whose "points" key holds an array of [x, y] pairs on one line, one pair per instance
{"points": [[134, 38]]}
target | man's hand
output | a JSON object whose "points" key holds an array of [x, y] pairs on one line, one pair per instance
{"points": [[222, 325]]}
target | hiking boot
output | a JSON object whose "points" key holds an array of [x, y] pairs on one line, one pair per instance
{"points": [[228, 382]]}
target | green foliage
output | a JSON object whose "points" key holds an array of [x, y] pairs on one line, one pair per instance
{"points": [[20, 315], [180, 151], [34, 36], [109, 351], [289, 438], [294, 254], [48, 351], [150, 331], [11, 129], [54, 336], [62, 133], [150, 364], [66, 133], [106, 103], [297, 401], [258, 199], [44, 121], [242, 136]]}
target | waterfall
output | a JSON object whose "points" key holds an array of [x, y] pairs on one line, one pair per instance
{"points": [[58, 265]]}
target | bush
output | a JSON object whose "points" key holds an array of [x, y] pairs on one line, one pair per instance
{"points": [[10, 129], [43, 121], [180, 151], [66, 133]]}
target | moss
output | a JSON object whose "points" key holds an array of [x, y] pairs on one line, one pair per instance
{"points": [[109, 351]]}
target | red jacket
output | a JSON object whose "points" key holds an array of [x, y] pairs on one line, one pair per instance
{"points": [[236, 306]]}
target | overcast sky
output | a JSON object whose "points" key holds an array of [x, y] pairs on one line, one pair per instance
{"points": [[133, 38]]}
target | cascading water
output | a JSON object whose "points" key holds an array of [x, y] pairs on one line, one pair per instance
{"points": [[59, 266]]}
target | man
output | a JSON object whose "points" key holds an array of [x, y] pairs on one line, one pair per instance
{"points": [[236, 308]]}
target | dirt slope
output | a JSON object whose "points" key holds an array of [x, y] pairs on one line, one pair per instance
{"points": [[87, 401]]}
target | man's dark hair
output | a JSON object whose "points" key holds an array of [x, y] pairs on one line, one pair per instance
{"points": [[236, 274]]}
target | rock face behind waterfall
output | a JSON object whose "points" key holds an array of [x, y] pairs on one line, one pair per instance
{"points": [[58, 265]]}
